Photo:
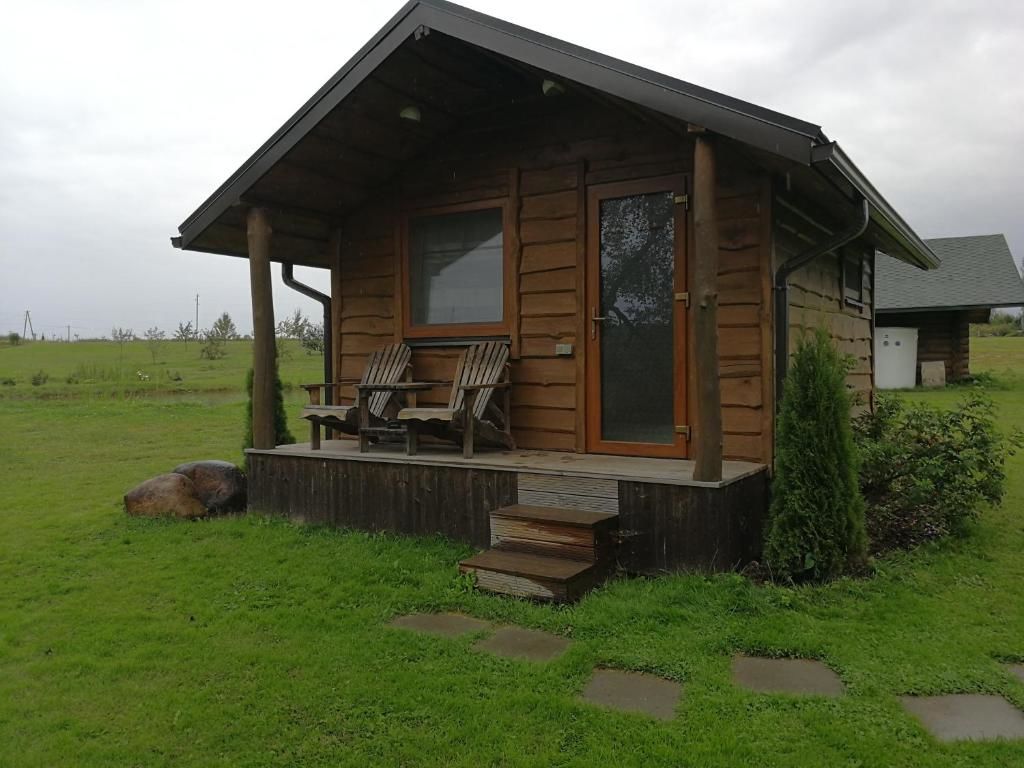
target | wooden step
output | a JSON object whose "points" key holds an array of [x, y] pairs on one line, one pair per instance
{"points": [[524, 574], [581, 518], [554, 531]]}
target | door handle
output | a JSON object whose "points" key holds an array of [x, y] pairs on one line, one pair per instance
{"points": [[594, 320]]}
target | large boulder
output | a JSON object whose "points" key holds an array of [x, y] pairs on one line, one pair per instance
{"points": [[170, 495], [220, 485]]}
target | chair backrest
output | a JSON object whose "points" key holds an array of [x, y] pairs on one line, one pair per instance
{"points": [[387, 365], [480, 364]]}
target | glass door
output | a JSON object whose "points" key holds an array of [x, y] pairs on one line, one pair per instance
{"points": [[636, 283]]}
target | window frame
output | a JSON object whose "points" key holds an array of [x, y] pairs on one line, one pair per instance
{"points": [[459, 330], [848, 258]]}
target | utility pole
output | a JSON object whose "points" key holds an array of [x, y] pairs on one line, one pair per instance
{"points": [[27, 326], [69, 334], [197, 316]]}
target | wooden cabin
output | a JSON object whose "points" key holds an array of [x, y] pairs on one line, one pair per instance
{"points": [[977, 274], [645, 247]]}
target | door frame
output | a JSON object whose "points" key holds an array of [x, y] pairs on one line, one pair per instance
{"points": [[678, 184]]}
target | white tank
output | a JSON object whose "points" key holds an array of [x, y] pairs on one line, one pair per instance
{"points": [[895, 358]]}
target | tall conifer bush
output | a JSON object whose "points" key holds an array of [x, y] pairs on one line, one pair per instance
{"points": [[281, 434], [816, 519]]}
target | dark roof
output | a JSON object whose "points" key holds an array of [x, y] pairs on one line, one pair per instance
{"points": [[783, 136], [976, 272]]}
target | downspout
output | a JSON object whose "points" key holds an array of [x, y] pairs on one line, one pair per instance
{"points": [[287, 275], [782, 275]]}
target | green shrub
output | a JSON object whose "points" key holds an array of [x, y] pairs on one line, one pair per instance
{"points": [[816, 518], [926, 472], [214, 347], [39, 378], [7, 381], [281, 434]]}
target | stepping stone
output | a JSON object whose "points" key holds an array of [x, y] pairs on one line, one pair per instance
{"points": [[1017, 670], [973, 717], [519, 643], [441, 624], [633, 692], [798, 676]]}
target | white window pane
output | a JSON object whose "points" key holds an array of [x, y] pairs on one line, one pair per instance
{"points": [[456, 268]]}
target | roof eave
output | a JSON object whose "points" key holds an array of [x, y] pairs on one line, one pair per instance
{"points": [[947, 308], [308, 115], [776, 133], [915, 250]]}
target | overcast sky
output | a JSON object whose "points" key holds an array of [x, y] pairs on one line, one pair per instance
{"points": [[117, 119]]}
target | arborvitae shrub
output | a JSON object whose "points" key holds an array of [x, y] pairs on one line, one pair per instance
{"points": [[816, 519], [281, 434]]}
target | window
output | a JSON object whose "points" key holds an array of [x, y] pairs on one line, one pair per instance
{"points": [[455, 272], [853, 279]]}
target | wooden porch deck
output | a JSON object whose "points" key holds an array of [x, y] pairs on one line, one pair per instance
{"points": [[666, 520], [557, 463]]}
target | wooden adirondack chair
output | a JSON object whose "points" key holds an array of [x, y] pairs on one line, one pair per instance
{"points": [[387, 365], [471, 410]]}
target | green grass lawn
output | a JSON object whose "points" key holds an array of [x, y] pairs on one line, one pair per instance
{"points": [[247, 641], [105, 368]]}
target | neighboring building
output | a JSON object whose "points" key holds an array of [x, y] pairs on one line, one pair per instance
{"points": [[976, 275], [646, 249]]}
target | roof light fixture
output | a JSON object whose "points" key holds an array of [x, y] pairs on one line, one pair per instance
{"points": [[552, 87]]}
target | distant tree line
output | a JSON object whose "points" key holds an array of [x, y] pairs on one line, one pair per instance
{"points": [[298, 326], [213, 340]]}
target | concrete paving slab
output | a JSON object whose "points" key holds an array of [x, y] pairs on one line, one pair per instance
{"points": [[1017, 670], [966, 717], [633, 692], [796, 676], [520, 643], [441, 624]]}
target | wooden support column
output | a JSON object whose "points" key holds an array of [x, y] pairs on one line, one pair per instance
{"points": [[515, 256], [708, 422], [334, 259], [334, 255], [264, 351]]}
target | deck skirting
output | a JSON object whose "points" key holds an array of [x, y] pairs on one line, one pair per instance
{"points": [[663, 527]]}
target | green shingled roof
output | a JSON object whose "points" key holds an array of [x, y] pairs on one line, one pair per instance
{"points": [[976, 271]]}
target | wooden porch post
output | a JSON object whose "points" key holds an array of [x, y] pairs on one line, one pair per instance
{"points": [[264, 350], [336, 307], [708, 422], [334, 253]]}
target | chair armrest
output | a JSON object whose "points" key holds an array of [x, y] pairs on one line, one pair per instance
{"points": [[339, 382], [399, 386], [496, 385]]}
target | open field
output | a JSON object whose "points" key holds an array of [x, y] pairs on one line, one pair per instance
{"points": [[246, 641], [104, 367]]}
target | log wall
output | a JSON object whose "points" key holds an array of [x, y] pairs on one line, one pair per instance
{"points": [[545, 160], [816, 296]]}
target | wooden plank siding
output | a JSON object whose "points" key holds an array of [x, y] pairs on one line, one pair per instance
{"points": [[942, 336], [671, 528], [744, 313], [816, 296], [552, 157], [406, 498], [663, 527]]}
